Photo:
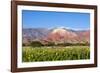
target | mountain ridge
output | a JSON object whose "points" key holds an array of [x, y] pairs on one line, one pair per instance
{"points": [[57, 35]]}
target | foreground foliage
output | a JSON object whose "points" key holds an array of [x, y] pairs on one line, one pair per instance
{"points": [[31, 54]]}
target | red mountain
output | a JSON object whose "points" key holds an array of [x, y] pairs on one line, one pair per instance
{"points": [[61, 35], [57, 35]]}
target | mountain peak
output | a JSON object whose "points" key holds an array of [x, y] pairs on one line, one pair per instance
{"points": [[59, 30]]}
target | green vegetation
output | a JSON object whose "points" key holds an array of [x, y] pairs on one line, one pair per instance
{"points": [[47, 53], [36, 43], [64, 44]]}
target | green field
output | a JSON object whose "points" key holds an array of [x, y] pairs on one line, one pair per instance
{"points": [[31, 54]]}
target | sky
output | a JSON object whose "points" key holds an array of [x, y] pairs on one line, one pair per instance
{"points": [[50, 19]]}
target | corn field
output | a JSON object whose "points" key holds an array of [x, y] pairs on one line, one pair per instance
{"points": [[34, 54]]}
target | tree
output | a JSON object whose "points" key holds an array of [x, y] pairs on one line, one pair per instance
{"points": [[36, 44]]}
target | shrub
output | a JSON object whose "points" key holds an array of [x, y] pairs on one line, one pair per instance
{"points": [[36, 44]]}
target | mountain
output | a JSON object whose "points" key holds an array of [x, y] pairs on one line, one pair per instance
{"points": [[56, 35], [34, 34]]}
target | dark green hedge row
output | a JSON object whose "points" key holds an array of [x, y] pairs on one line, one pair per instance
{"points": [[39, 44]]}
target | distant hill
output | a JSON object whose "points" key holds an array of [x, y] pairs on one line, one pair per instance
{"points": [[56, 35]]}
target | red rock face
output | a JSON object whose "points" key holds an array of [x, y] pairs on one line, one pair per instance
{"points": [[61, 35], [84, 36]]}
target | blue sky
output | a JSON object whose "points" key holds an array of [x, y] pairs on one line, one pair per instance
{"points": [[47, 19]]}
